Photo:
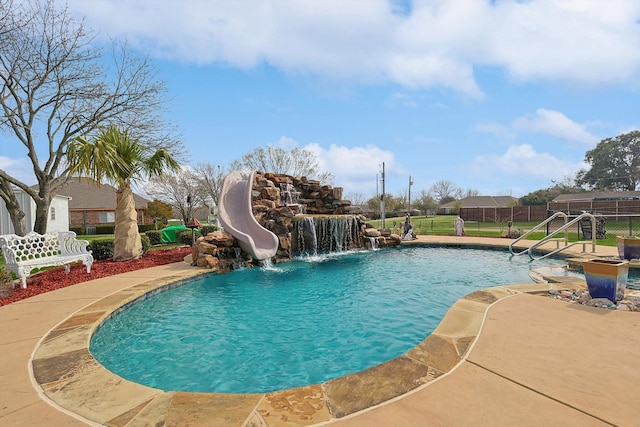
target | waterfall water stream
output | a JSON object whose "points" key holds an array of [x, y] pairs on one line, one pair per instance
{"points": [[336, 233]]}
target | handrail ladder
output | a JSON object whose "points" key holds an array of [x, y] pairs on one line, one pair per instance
{"points": [[550, 238]]}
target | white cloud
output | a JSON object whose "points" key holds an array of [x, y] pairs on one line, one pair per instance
{"points": [[355, 168], [579, 41], [555, 123], [524, 161], [20, 169], [287, 143], [437, 45]]}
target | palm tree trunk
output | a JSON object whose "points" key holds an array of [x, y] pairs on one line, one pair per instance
{"points": [[127, 243]]}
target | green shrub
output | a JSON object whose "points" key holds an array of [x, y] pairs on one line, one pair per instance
{"points": [[155, 237], [78, 229], [146, 227], [101, 248], [206, 229], [146, 242], [185, 237], [105, 229]]}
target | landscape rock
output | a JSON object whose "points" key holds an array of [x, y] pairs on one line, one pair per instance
{"points": [[581, 296]]}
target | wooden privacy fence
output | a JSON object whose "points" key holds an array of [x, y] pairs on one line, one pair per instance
{"points": [[539, 213], [514, 213]]}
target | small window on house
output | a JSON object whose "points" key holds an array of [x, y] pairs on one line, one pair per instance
{"points": [[53, 213], [107, 217]]}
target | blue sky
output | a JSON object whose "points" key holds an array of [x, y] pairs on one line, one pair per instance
{"points": [[502, 97]]}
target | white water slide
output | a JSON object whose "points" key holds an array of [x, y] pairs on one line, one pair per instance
{"points": [[236, 216]]}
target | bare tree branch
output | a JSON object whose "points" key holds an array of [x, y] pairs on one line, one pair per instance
{"points": [[55, 87], [173, 189], [210, 177], [294, 162]]}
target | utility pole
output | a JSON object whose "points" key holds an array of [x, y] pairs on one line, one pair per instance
{"points": [[410, 184], [382, 211]]}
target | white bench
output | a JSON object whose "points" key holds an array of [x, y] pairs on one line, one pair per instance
{"points": [[23, 254]]}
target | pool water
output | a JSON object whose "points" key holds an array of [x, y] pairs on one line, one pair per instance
{"points": [[304, 322]]}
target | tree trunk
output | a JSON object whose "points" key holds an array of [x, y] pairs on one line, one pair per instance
{"points": [[41, 217], [17, 218], [127, 243], [16, 214]]}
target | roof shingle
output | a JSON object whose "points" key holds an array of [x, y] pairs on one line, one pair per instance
{"points": [[87, 194]]}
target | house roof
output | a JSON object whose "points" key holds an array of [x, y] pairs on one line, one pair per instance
{"points": [[87, 194], [597, 195], [482, 202]]}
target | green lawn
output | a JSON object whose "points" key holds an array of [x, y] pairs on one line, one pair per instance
{"points": [[443, 225]]}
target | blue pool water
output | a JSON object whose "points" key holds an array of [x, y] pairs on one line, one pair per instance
{"points": [[301, 323]]}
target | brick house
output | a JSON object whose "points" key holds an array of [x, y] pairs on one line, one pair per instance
{"points": [[92, 204], [478, 202], [597, 196]]}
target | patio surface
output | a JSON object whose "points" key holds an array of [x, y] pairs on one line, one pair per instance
{"points": [[502, 356]]}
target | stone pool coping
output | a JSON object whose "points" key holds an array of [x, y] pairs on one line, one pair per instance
{"points": [[72, 379]]}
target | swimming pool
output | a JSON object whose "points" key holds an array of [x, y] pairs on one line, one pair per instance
{"points": [[304, 322]]}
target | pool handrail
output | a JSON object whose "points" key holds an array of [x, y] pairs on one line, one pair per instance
{"points": [[545, 222], [567, 245], [550, 238]]}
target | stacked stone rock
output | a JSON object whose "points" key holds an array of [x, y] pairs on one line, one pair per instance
{"points": [[316, 198], [276, 213], [215, 250]]}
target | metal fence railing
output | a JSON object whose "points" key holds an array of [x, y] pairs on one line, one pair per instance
{"points": [[607, 225]]}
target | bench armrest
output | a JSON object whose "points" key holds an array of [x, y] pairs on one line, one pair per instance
{"points": [[8, 252], [69, 245]]}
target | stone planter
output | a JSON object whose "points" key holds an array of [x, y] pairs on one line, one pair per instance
{"points": [[606, 278], [628, 247]]}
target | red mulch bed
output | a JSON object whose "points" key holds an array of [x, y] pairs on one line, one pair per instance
{"points": [[56, 278]]}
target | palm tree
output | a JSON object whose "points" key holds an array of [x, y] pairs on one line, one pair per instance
{"points": [[116, 157]]}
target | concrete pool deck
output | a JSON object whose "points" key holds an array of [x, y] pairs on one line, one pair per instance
{"points": [[501, 356]]}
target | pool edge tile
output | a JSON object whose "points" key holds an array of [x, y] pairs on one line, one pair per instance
{"points": [[98, 395], [300, 406], [59, 368], [481, 296], [63, 341], [458, 323], [353, 393], [153, 413], [210, 409], [436, 351]]}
